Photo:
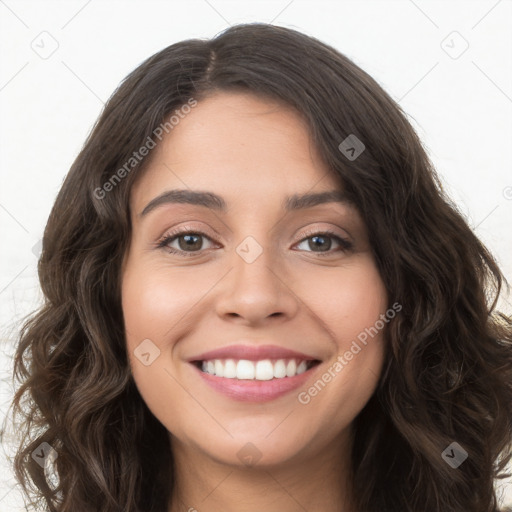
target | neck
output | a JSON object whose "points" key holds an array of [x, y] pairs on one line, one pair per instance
{"points": [[315, 484]]}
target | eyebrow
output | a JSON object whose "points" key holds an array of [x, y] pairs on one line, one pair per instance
{"points": [[217, 203]]}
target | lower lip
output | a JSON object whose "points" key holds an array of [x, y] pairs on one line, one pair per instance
{"points": [[256, 390]]}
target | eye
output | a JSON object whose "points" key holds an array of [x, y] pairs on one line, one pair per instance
{"points": [[189, 242], [323, 242]]}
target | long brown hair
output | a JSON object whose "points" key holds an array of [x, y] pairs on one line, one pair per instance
{"points": [[448, 369]]}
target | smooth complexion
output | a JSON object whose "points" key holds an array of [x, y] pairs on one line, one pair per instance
{"points": [[302, 293]]}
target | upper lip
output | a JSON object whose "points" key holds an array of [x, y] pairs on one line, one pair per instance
{"points": [[252, 353]]}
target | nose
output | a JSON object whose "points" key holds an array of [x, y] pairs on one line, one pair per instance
{"points": [[254, 292]]}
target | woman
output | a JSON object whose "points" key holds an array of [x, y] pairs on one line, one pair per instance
{"points": [[259, 298]]}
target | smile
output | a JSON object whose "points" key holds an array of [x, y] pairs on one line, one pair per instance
{"points": [[254, 373], [263, 370]]}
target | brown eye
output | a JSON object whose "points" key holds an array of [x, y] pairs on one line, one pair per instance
{"points": [[321, 243], [188, 242]]}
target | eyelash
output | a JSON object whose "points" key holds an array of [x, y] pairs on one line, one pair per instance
{"points": [[170, 237]]}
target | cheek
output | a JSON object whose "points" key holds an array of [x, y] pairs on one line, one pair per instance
{"points": [[161, 304], [152, 305], [153, 301], [156, 300], [349, 302], [350, 307], [358, 306]]}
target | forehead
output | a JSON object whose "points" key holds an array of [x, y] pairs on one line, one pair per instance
{"points": [[239, 145]]}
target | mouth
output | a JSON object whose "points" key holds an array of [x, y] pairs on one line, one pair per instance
{"points": [[256, 370], [255, 381], [251, 373]]}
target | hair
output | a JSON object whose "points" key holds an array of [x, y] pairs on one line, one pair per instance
{"points": [[447, 371]]}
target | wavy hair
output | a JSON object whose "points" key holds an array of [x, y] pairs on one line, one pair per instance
{"points": [[448, 365]]}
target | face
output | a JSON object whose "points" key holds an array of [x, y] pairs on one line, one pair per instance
{"points": [[250, 317]]}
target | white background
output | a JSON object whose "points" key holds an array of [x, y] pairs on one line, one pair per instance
{"points": [[461, 107]]}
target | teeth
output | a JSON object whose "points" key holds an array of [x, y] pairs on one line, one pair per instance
{"points": [[264, 370], [230, 369], [279, 369], [219, 368], [291, 368], [254, 370], [245, 369], [302, 367]]}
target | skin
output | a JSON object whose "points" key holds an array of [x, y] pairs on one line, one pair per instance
{"points": [[253, 153]]}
